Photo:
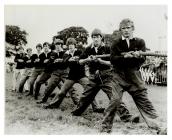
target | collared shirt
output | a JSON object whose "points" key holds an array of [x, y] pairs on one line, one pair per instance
{"points": [[95, 47], [58, 53], [71, 53], [94, 65], [127, 40], [46, 54], [119, 46], [76, 71], [38, 53]]}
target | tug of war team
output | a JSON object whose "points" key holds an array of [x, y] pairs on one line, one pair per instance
{"points": [[113, 75]]}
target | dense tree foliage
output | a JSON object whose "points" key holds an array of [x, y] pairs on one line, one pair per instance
{"points": [[79, 33], [109, 38], [15, 36]]}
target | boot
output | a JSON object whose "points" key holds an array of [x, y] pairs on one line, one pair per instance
{"points": [[41, 101], [36, 97], [29, 94], [125, 115], [135, 119], [79, 110], [105, 130], [73, 95], [75, 99], [49, 106], [56, 102], [96, 108]]}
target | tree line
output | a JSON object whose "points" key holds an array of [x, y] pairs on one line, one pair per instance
{"points": [[15, 36]]}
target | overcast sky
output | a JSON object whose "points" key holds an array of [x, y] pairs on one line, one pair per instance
{"points": [[43, 22]]}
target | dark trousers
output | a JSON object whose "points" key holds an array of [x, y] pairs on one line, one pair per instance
{"points": [[102, 80], [54, 82], [35, 73], [68, 86], [41, 80], [132, 83]]}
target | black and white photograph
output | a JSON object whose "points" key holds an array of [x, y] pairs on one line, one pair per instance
{"points": [[85, 69]]}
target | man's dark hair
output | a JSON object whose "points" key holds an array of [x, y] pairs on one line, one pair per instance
{"points": [[28, 49], [46, 43], [57, 37], [39, 46], [52, 46]]}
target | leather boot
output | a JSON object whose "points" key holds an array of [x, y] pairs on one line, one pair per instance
{"points": [[96, 108]]}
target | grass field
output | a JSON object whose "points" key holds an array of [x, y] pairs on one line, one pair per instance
{"points": [[24, 116]]}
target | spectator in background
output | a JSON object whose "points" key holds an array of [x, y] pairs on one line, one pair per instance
{"points": [[142, 71], [147, 71], [9, 62], [152, 73], [161, 74]]}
